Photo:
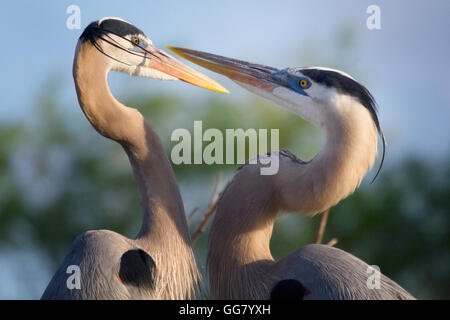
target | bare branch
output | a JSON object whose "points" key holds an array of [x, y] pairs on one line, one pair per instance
{"points": [[332, 242], [190, 215], [322, 225], [212, 205]]}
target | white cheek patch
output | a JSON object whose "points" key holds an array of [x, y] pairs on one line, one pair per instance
{"points": [[152, 73], [116, 40], [321, 92], [133, 63], [304, 106], [299, 104], [142, 72], [117, 48]]}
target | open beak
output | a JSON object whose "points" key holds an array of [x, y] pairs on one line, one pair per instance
{"points": [[256, 75], [161, 61]]}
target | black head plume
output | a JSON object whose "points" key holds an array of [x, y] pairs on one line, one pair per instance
{"points": [[97, 29], [101, 29]]}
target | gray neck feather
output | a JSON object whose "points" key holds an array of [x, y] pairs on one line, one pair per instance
{"points": [[164, 232], [240, 263]]}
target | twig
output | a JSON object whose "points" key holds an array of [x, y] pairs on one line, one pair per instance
{"points": [[212, 205], [190, 215], [322, 225], [332, 242]]}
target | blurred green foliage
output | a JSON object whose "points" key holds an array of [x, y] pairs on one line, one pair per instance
{"points": [[59, 178]]}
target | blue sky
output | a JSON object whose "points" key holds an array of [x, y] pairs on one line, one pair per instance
{"points": [[405, 64]]}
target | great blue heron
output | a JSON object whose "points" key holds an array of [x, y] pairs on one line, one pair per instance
{"points": [[240, 263], [159, 263]]}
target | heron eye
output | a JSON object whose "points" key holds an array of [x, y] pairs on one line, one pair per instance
{"points": [[136, 40], [304, 83]]}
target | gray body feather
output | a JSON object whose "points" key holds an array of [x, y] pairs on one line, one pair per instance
{"points": [[333, 274], [98, 254], [159, 263], [240, 263]]}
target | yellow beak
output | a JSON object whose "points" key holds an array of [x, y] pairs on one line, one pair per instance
{"points": [[256, 75], [163, 62]]}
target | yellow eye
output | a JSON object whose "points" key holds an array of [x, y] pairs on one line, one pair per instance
{"points": [[303, 83], [136, 40]]}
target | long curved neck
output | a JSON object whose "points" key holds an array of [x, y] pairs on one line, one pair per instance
{"points": [[164, 232], [239, 259]]}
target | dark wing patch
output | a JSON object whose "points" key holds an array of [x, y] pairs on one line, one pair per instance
{"points": [[288, 289], [137, 269]]}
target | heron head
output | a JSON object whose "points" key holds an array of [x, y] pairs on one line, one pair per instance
{"points": [[129, 50], [309, 92], [318, 95]]}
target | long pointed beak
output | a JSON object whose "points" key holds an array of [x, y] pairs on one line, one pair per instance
{"points": [[256, 75], [167, 64]]}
